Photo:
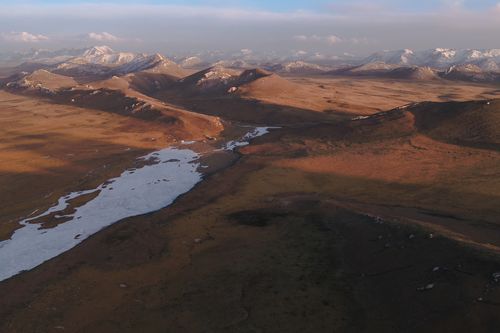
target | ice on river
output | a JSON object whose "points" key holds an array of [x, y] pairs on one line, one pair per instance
{"points": [[134, 192], [169, 173]]}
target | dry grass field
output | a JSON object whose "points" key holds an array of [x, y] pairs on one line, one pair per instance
{"points": [[364, 96], [47, 150], [325, 224]]}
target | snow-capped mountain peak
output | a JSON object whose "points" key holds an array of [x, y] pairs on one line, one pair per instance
{"points": [[103, 55], [446, 53], [191, 62], [98, 51], [404, 57], [298, 67], [438, 58]]}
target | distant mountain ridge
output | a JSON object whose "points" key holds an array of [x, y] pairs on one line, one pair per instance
{"points": [[439, 58], [476, 65], [97, 60], [41, 56]]}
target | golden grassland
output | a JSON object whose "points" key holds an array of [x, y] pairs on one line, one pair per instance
{"points": [[333, 226]]}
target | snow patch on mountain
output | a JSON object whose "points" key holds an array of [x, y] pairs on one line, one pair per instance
{"points": [[102, 60], [215, 76], [439, 58], [298, 67], [104, 55], [400, 57], [190, 62]]}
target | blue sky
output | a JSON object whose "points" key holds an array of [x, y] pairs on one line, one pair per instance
{"points": [[323, 26], [285, 5]]}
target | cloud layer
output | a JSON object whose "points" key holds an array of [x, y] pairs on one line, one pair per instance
{"points": [[23, 37], [102, 37], [332, 39], [333, 26]]}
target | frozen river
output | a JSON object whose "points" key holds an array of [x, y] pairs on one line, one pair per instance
{"points": [[167, 174]]}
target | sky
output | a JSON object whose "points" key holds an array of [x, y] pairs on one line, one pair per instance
{"points": [[333, 27]]}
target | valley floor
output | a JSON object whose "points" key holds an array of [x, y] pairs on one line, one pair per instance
{"points": [[337, 227]]}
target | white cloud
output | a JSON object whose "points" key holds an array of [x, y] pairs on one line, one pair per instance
{"points": [[319, 56], [333, 39], [102, 37], [300, 38], [387, 24], [314, 38], [361, 40], [23, 37]]}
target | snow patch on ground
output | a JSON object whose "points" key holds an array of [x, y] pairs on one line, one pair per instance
{"points": [[134, 192], [168, 174], [245, 140], [360, 118]]}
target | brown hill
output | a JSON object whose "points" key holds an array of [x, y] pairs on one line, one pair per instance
{"points": [[86, 72], [383, 70], [254, 96], [41, 80], [116, 95], [470, 73], [215, 79], [166, 66], [24, 67], [475, 123], [414, 73], [150, 83], [466, 123], [268, 87]]}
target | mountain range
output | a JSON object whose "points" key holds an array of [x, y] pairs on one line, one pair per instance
{"points": [[440, 58], [102, 61]]}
